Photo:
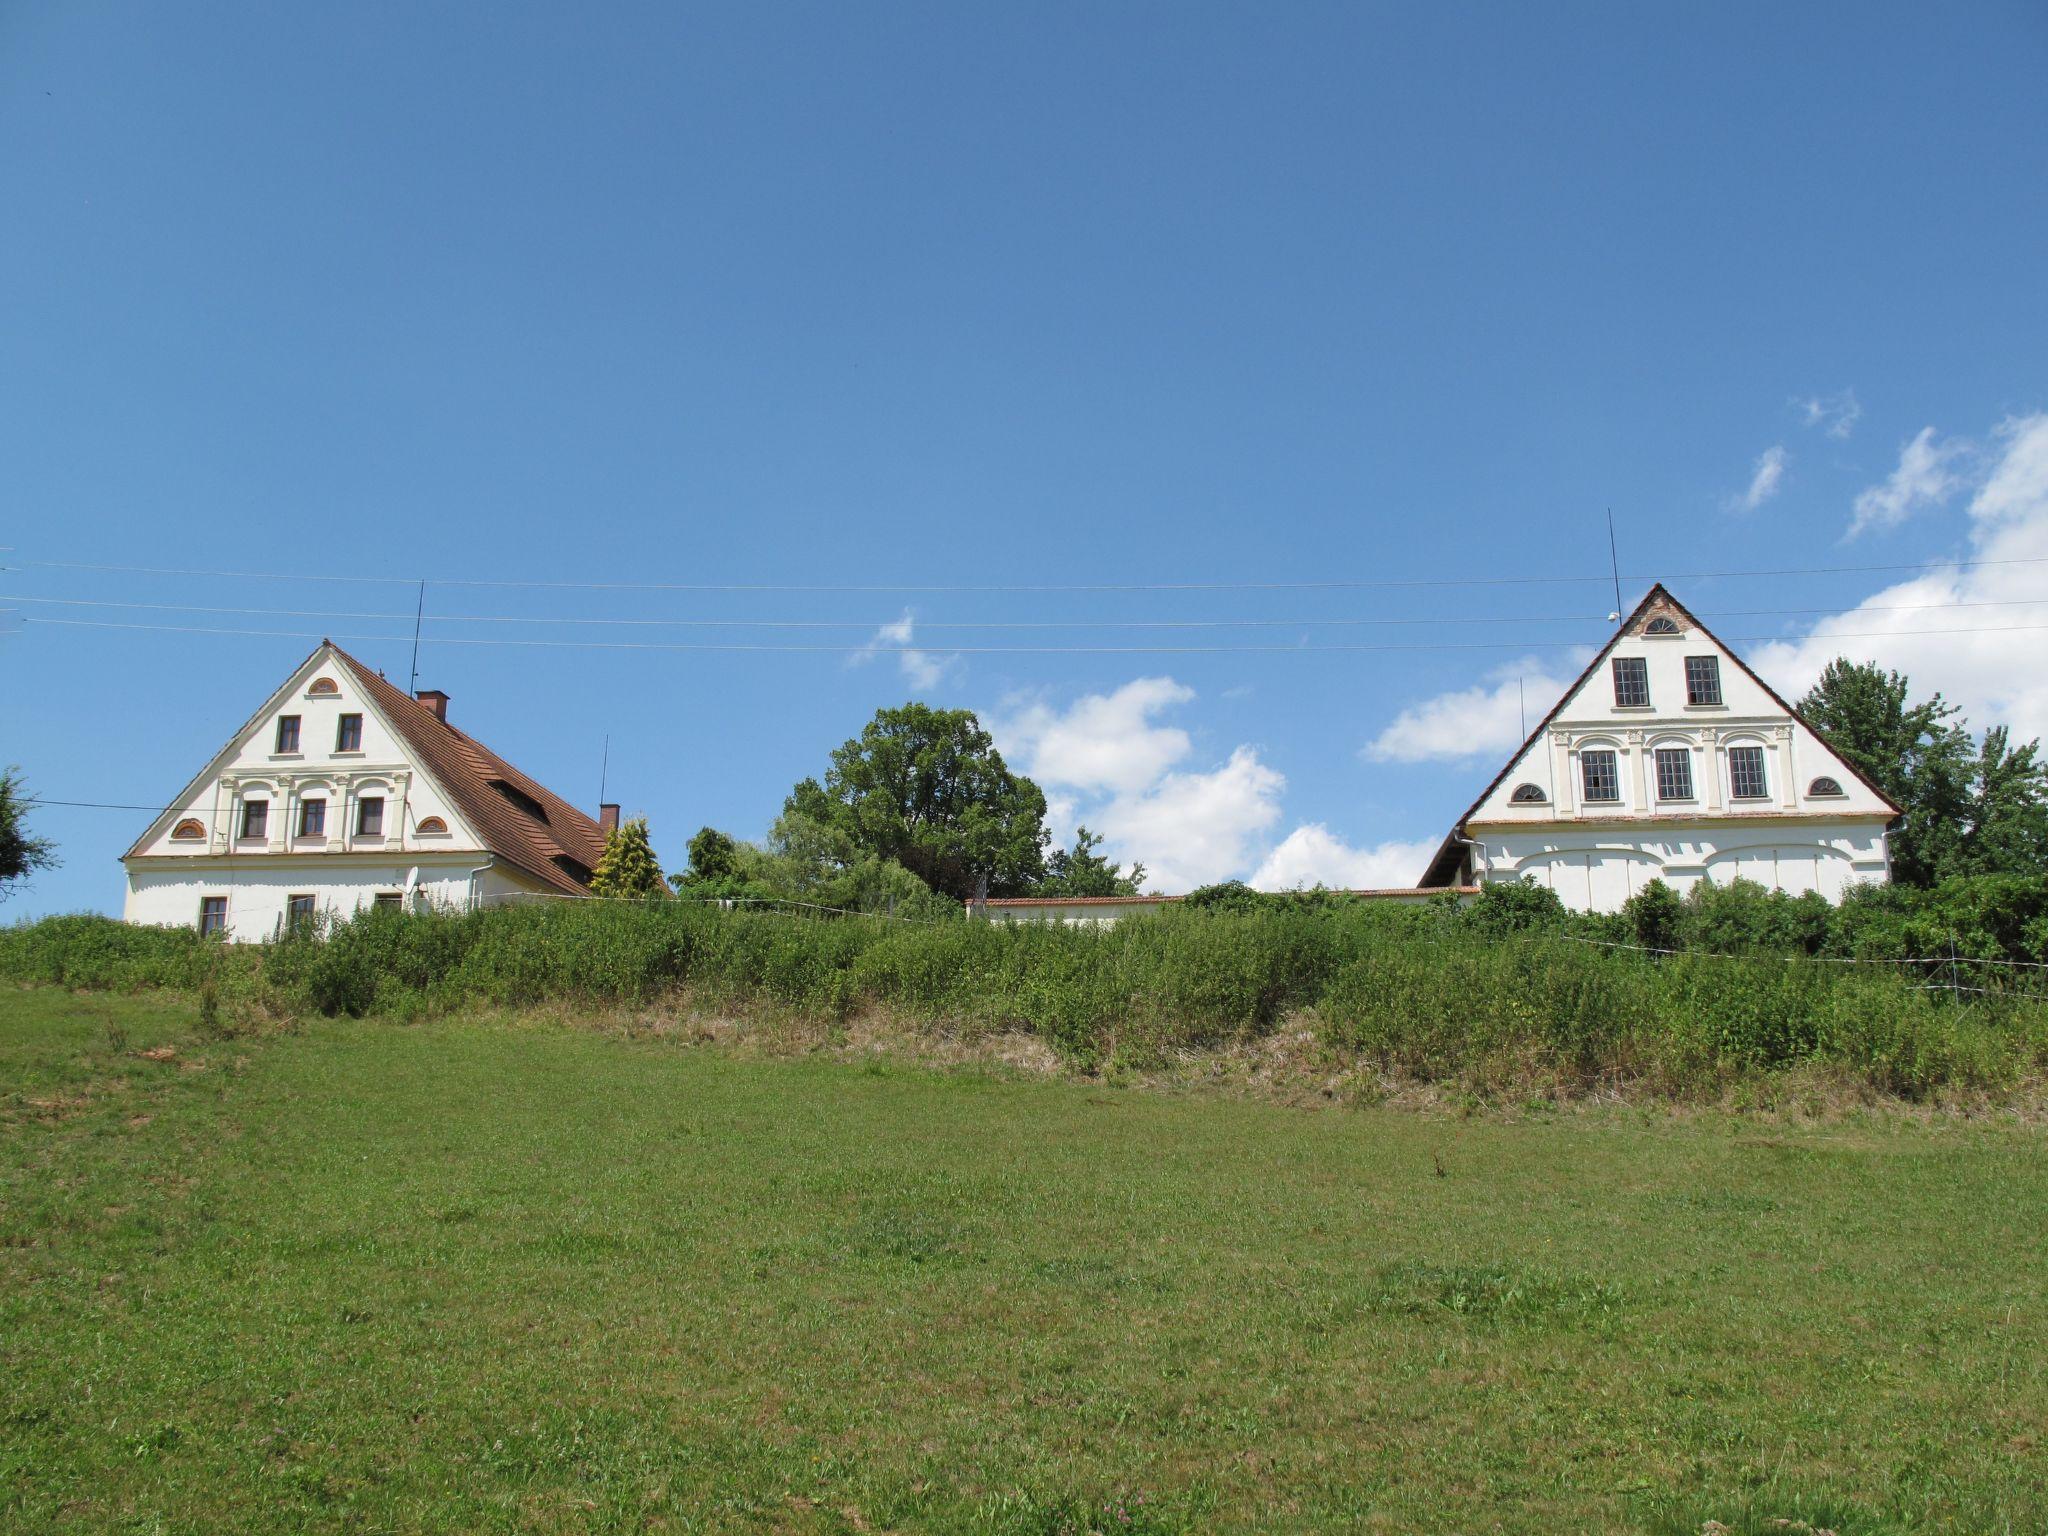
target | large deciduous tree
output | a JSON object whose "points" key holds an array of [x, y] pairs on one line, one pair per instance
{"points": [[20, 853], [1969, 808], [927, 789]]}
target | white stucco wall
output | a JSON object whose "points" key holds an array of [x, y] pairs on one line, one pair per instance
{"points": [[168, 893]]}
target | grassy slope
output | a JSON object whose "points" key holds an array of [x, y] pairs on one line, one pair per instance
{"points": [[478, 1276]]}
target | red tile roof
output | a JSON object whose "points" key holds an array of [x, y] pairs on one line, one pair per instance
{"points": [[465, 767]]}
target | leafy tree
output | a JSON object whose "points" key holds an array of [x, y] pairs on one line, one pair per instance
{"points": [[1969, 809], [927, 789], [20, 854], [628, 867], [1081, 871], [713, 855], [1655, 916], [1224, 896]]}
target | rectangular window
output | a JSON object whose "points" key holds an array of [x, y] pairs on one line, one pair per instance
{"points": [[388, 899], [213, 914], [1631, 682], [298, 911], [255, 818], [287, 733], [1703, 680], [1746, 773], [348, 734], [370, 816], [1674, 773], [1598, 773], [313, 818]]}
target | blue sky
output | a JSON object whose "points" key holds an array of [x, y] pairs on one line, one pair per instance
{"points": [[953, 296]]}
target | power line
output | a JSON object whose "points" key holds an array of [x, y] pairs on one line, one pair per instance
{"points": [[1026, 587], [978, 650], [984, 624]]}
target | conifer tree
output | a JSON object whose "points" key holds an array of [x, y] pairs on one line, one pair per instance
{"points": [[628, 867]]}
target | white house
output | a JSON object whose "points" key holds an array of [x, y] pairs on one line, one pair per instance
{"points": [[343, 790], [1670, 759]]}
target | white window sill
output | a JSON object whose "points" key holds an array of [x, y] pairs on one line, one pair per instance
{"points": [[1635, 709], [287, 757], [1706, 709], [348, 752]]}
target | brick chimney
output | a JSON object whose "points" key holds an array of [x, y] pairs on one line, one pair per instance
{"points": [[608, 819], [435, 700]]}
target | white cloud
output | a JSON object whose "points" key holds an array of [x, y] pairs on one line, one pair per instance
{"points": [[1190, 829], [1980, 656], [921, 668], [1924, 478], [1105, 741], [1475, 722], [1314, 855], [1836, 415], [1764, 480]]}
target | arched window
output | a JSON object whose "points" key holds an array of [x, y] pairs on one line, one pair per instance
{"points": [[1528, 794], [432, 824], [324, 685], [191, 829], [1663, 624], [1824, 788]]}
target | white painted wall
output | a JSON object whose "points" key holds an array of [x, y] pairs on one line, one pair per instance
{"points": [[168, 893]]}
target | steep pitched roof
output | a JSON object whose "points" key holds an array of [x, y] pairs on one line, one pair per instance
{"points": [[1444, 865], [466, 770]]}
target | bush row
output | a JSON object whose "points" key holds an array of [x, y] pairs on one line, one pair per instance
{"points": [[1486, 995]]}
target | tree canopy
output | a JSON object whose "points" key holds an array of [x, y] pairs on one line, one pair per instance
{"points": [[1970, 808], [20, 853], [628, 867], [926, 788], [1081, 871]]}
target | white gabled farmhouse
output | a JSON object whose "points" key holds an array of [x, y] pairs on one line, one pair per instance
{"points": [[341, 791], [1670, 759]]}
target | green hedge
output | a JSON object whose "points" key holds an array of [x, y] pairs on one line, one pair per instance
{"points": [[1489, 995]]}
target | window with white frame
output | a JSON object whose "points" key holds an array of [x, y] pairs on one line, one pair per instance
{"points": [[1746, 779], [1600, 776], [1631, 682], [1674, 773], [1702, 681]]}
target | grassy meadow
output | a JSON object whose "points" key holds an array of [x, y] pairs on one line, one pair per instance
{"points": [[483, 1273]]}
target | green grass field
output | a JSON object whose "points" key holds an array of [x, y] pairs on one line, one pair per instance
{"points": [[503, 1276]]}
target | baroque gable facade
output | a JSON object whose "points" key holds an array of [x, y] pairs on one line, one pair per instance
{"points": [[1669, 759]]}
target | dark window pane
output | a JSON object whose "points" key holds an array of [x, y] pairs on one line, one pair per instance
{"points": [[213, 914], [1631, 682], [387, 898], [1702, 679], [299, 911], [348, 736], [1674, 773], [1746, 773], [370, 817], [312, 818], [1597, 769], [287, 733]]}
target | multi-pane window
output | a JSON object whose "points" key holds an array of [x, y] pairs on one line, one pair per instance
{"points": [[1703, 680], [213, 914], [1599, 775], [255, 818], [298, 911], [1674, 773], [389, 899], [287, 733], [313, 818], [1631, 682], [1746, 773], [348, 734], [370, 816]]}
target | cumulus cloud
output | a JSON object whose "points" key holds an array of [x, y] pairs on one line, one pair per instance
{"points": [[1105, 741], [921, 668], [1314, 855], [1980, 647], [1193, 828], [1482, 721], [1764, 480], [1926, 477], [1835, 415]]}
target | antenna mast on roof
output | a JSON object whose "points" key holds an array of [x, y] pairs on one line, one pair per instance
{"points": [[604, 769], [413, 687], [1614, 564]]}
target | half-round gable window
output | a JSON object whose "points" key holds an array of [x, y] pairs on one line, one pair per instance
{"points": [[431, 824], [1663, 624], [1824, 788], [1528, 794], [324, 686], [191, 829]]}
